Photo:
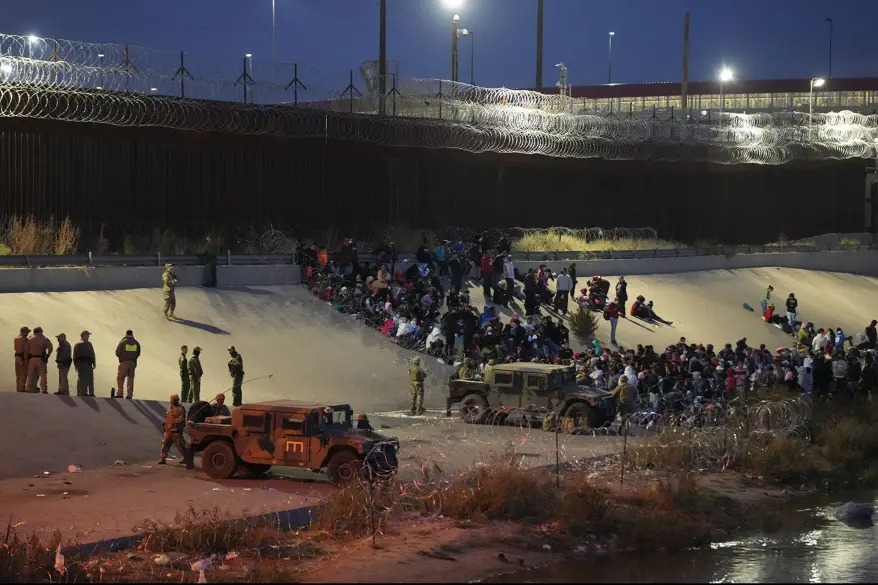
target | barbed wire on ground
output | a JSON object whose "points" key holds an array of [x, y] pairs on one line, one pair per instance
{"points": [[58, 80]]}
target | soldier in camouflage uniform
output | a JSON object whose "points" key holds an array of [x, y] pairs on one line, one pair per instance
{"points": [[175, 421], [195, 374], [236, 371], [169, 284], [417, 377]]}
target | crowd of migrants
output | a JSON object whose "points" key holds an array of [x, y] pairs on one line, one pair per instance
{"points": [[427, 308]]}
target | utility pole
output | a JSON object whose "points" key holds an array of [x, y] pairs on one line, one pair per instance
{"points": [[684, 96], [382, 55], [455, 26], [540, 6], [829, 20]]}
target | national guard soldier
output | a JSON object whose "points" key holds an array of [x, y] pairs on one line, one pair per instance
{"points": [[175, 422], [19, 345], [209, 252], [183, 364], [169, 284], [219, 406], [85, 363], [236, 371], [63, 359], [195, 373], [38, 350], [417, 377], [128, 351]]}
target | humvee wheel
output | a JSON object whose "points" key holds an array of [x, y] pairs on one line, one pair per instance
{"points": [[257, 468], [343, 467], [219, 460], [474, 409], [584, 416]]}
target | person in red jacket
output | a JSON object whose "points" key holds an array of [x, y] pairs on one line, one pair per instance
{"points": [[613, 317], [487, 275]]}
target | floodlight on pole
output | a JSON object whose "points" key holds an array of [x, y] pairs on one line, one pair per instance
{"points": [[815, 82], [725, 75], [33, 39], [610, 60]]}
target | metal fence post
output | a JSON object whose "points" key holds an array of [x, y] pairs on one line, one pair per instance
{"points": [[90, 260], [159, 256], [229, 257]]}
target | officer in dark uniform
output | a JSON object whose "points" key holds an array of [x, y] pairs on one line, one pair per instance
{"points": [[175, 421], [236, 371], [183, 364]]}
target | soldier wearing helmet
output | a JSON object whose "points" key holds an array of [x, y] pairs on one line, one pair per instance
{"points": [[417, 377], [175, 420], [169, 285]]}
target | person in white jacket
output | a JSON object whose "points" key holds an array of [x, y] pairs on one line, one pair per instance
{"points": [[509, 275], [819, 341], [563, 286]]}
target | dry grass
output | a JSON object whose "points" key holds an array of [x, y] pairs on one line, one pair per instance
{"points": [[562, 241], [29, 559], [28, 236], [205, 532]]}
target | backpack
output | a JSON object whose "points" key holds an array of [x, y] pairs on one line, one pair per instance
{"points": [[606, 316]]}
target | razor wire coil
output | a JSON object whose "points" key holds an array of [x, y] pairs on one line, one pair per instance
{"points": [[132, 86]]}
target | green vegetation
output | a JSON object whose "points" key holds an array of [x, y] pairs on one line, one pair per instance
{"points": [[583, 324]]}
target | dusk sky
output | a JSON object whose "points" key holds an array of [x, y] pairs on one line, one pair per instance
{"points": [[756, 38]]}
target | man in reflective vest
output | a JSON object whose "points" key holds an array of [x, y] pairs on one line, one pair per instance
{"points": [[128, 351]]}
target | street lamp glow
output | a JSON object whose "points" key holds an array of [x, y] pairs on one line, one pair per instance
{"points": [[248, 55], [463, 32], [33, 39], [726, 74], [100, 55], [453, 3], [818, 82], [153, 89], [612, 34], [6, 68]]}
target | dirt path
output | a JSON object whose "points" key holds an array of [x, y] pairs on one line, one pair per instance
{"points": [[109, 502]]}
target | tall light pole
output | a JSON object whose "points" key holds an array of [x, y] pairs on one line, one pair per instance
{"points": [[815, 82], [382, 54], [610, 60], [829, 20], [725, 75], [455, 28], [540, 6], [273, 46]]}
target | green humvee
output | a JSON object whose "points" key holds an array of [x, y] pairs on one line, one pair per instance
{"points": [[526, 392]]}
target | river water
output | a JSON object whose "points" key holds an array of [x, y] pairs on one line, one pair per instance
{"points": [[814, 547]]}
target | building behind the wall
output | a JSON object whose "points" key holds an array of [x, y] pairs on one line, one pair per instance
{"points": [[857, 94]]}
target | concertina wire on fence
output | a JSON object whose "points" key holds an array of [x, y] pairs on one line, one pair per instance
{"points": [[59, 80]]}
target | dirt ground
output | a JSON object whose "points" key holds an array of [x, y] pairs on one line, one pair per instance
{"points": [[109, 502]]}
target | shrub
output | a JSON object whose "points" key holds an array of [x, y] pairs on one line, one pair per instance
{"points": [[27, 560], [204, 532], [583, 324]]}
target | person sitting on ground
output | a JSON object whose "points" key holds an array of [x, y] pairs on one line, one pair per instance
{"points": [[653, 315]]}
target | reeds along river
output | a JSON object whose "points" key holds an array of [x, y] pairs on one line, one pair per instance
{"points": [[813, 547]]}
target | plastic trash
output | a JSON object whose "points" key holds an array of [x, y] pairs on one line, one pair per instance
{"points": [[74, 469], [201, 577], [232, 555], [118, 462], [162, 560], [59, 561], [204, 564]]}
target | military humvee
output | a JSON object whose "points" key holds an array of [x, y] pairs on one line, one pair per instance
{"points": [[525, 392], [257, 436]]}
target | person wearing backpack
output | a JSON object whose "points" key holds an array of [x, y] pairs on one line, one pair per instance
{"points": [[612, 315]]}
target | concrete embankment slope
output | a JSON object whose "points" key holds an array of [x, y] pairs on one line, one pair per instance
{"points": [[310, 352]]}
